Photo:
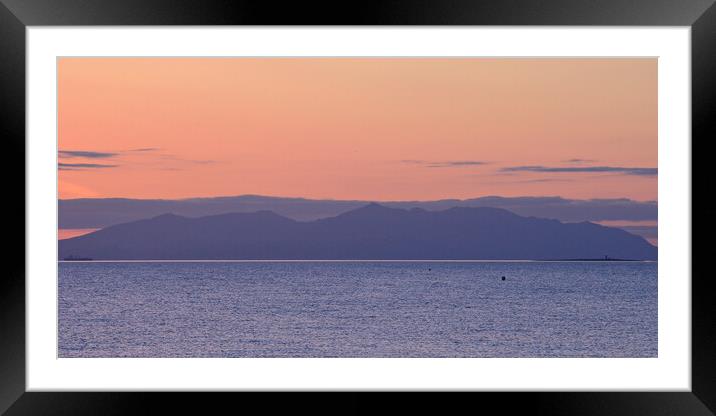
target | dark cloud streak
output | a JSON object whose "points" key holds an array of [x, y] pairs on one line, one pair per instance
{"points": [[584, 169], [83, 166], [145, 149], [444, 164], [160, 158], [68, 154], [578, 161]]}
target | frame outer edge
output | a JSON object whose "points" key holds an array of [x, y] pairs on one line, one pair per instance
{"points": [[363, 12], [703, 307], [12, 128], [12, 133]]}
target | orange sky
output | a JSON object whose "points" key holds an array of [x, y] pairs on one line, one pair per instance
{"points": [[357, 128]]}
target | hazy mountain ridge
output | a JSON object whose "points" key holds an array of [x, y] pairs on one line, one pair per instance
{"points": [[370, 232], [102, 212]]}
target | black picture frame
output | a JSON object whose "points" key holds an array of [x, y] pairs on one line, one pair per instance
{"points": [[16, 15]]}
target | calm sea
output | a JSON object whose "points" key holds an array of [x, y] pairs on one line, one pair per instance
{"points": [[358, 309]]}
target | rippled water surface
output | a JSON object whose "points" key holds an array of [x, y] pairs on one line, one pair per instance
{"points": [[358, 309]]}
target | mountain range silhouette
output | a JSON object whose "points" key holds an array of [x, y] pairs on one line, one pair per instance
{"points": [[103, 212], [371, 232]]}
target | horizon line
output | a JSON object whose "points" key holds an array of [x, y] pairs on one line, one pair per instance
{"points": [[359, 200]]}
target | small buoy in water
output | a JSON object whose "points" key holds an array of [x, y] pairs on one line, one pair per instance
{"points": [[429, 269], [503, 277]]}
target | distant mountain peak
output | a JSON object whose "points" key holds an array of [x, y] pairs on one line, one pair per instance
{"points": [[372, 207]]}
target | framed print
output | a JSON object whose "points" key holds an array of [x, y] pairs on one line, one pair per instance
{"points": [[486, 198]]}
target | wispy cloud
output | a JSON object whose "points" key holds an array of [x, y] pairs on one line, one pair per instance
{"points": [[544, 180], [526, 181], [83, 166], [145, 149], [445, 163], [578, 161], [584, 169], [69, 154], [144, 156], [89, 154]]}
